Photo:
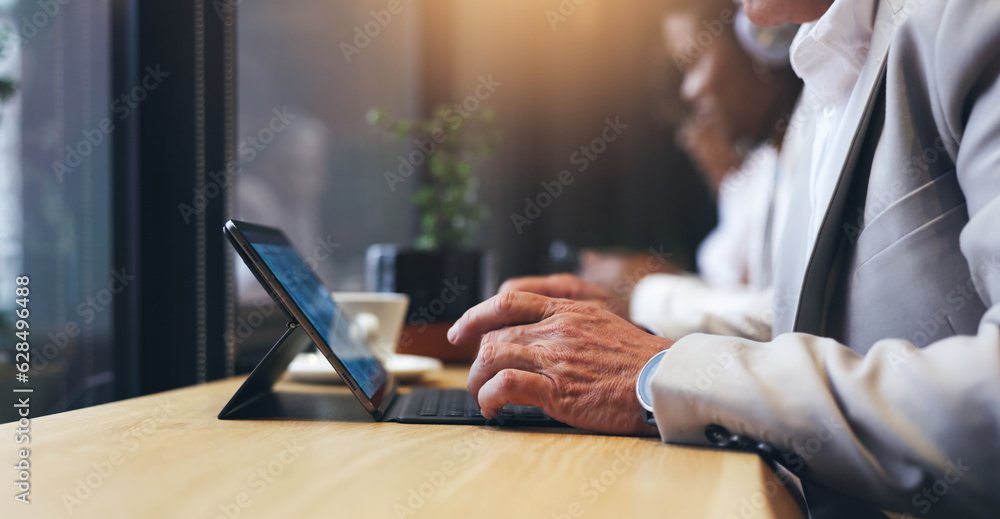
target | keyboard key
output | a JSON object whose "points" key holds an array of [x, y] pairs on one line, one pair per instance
{"points": [[458, 403]]}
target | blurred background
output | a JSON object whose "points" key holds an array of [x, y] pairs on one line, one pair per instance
{"points": [[135, 130]]}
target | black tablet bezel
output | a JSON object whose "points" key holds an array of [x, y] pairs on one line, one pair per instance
{"points": [[236, 231]]}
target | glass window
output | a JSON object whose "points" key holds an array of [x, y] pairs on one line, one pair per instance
{"points": [[309, 70], [55, 204]]}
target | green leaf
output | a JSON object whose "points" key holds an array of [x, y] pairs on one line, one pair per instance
{"points": [[464, 169], [375, 116], [447, 197]]}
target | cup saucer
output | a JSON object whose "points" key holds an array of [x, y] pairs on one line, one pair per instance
{"points": [[311, 367]]}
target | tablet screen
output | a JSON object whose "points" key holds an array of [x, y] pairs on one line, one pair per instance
{"points": [[316, 303]]}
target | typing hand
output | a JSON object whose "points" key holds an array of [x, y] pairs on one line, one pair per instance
{"points": [[565, 286], [576, 360]]}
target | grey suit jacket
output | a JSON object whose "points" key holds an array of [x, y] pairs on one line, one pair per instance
{"points": [[884, 371]]}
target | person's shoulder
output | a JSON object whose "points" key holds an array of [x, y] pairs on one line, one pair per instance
{"points": [[952, 46], [948, 23]]}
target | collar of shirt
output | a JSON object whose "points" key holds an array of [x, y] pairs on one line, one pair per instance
{"points": [[828, 53]]}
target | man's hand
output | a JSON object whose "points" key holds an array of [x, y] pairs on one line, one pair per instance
{"points": [[565, 286], [575, 360]]}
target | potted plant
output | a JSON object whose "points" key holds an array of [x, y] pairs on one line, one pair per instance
{"points": [[444, 270]]}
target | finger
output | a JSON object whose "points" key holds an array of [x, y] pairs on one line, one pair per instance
{"points": [[565, 286], [542, 285], [511, 386], [499, 311], [498, 356]]}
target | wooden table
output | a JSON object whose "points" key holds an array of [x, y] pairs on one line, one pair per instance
{"points": [[167, 455]]}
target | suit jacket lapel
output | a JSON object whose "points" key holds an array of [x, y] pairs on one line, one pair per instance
{"points": [[845, 149]]}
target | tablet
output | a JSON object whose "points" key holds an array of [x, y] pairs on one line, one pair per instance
{"points": [[295, 288]]}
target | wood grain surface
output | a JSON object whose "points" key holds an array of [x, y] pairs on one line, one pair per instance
{"points": [[166, 456]]}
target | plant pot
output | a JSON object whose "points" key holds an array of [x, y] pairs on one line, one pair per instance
{"points": [[441, 284]]}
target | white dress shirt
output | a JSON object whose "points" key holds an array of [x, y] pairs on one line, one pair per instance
{"points": [[731, 256], [828, 55]]}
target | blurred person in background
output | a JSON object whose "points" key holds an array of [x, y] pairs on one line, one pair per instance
{"points": [[740, 91]]}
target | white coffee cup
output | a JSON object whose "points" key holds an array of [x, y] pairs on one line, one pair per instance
{"points": [[377, 316]]}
